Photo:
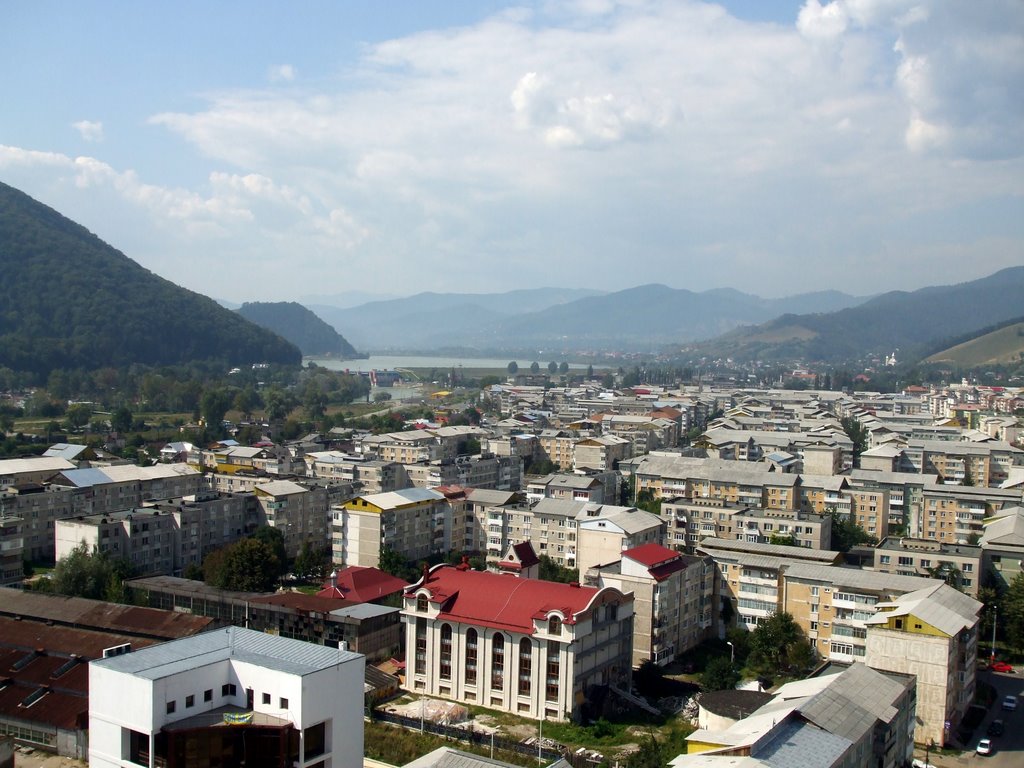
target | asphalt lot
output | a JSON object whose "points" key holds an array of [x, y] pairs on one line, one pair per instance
{"points": [[1009, 748]]}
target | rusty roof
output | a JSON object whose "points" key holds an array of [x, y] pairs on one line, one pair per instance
{"points": [[97, 614]]}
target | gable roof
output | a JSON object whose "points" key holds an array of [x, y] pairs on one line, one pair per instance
{"points": [[941, 606], [362, 585]]}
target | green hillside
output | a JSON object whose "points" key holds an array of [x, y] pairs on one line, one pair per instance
{"points": [[298, 325], [911, 322], [1001, 346], [72, 301]]}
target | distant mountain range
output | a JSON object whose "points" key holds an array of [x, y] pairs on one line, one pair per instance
{"points": [[910, 323], [298, 325], [563, 318], [72, 301]]}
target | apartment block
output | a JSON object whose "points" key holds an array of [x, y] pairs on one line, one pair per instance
{"points": [[673, 596], [1002, 546], [958, 564], [956, 513], [300, 512], [414, 522], [369, 475], [832, 604], [931, 633]]}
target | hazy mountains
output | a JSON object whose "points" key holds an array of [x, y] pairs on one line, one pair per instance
{"points": [[298, 325], [562, 318], [907, 322], [72, 301]]}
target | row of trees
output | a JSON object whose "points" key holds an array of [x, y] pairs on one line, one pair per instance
{"points": [[553, 367]]}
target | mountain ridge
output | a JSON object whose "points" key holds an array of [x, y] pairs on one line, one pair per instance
{"points": [[78, 302]]}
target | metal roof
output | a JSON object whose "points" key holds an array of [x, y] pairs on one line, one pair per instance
{"points": [[855, 578], [271, 651]]}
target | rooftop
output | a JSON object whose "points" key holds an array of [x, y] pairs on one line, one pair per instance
{"points": [[281, 653]]}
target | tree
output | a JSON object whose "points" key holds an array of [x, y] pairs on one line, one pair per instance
{"points": [[121, 419], [590, 372], [248, 565], [774, 646], [783, 539], [1012, 614], [719, 675], [563, 367], [857, 432], [77, 415], [651, 754], [550, 570], [512, 368], [214, 405], [393, 563], [312, 563], [534, 367], [274, 539], [94, 575], [552, 367], [381, 397], [846, 533]]}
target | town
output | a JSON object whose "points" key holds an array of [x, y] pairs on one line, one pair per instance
{"points": [[785, 575]]}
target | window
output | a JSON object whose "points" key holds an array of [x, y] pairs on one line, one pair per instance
{"points": [[421, 646], [553, 671], [554, 625], [208, 694], [314, 741], [283, 702], [446, 651], [228, 689], [498, 662], [525, 666], [266, 698], [190, 701], [884, 559], [171, 706], [471, 655], [421, 603]]}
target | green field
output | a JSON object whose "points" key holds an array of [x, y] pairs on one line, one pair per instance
{"points": [[1003, 346]]}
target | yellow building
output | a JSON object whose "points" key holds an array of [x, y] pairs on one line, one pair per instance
{"points": [[931, 633]]}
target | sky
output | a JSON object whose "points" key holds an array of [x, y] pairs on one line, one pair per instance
{"points": [[277, 151]]}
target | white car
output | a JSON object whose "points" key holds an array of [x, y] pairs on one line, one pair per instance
{"points": [[1010, 703], [921, 764], [984, 747]]}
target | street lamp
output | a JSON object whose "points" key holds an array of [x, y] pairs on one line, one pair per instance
{"points": [[732, 652], [928, 749]]}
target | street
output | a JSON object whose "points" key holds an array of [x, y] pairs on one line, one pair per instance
{"points": [[1008, 749]]}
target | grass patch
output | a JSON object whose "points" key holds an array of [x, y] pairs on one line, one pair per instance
{"points": [[399, 746]]}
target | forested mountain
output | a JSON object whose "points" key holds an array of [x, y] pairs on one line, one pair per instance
{"points": [[566, 317], [298, 325], [72, 301], [909, 322]]}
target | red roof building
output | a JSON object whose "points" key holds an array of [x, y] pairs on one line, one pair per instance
{"points": [[535, 648], [359, 584]]}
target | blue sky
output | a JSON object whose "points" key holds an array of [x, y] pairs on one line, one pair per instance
{"points": [[275, 151]]}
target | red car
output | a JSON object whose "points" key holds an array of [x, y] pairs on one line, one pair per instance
{"points": [[1001, 666]]}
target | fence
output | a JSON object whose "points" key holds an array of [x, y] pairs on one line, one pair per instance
{"points": [[479, 738]]}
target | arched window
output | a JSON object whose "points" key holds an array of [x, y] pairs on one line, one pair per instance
{"points": [[498, 662], [553, 671], [421, 603], [421, 646], [554, 626], [471, 653], [446, 651], [525, 666]]}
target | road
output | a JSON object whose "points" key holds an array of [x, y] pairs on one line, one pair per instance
{"points": [[1009, 748]]}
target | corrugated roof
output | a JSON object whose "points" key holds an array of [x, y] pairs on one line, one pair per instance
{"points": [[281, 653], [855, 578], [939, 605]]}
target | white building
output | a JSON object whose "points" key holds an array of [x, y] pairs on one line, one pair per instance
{"points": [[223, 696]]}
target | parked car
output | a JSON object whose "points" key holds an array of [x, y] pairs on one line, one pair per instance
{"points": [[984, 747], [995, 728], [1010, 703], [1001, 666]]}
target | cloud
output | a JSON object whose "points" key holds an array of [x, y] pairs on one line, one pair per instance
{"points": [[609, 143], [282, 73], [89, 130]]}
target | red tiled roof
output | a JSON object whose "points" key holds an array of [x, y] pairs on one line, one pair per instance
{"points": [[360, 584], [503, 601], [317, 603], [524, 551], [651, 554]]}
